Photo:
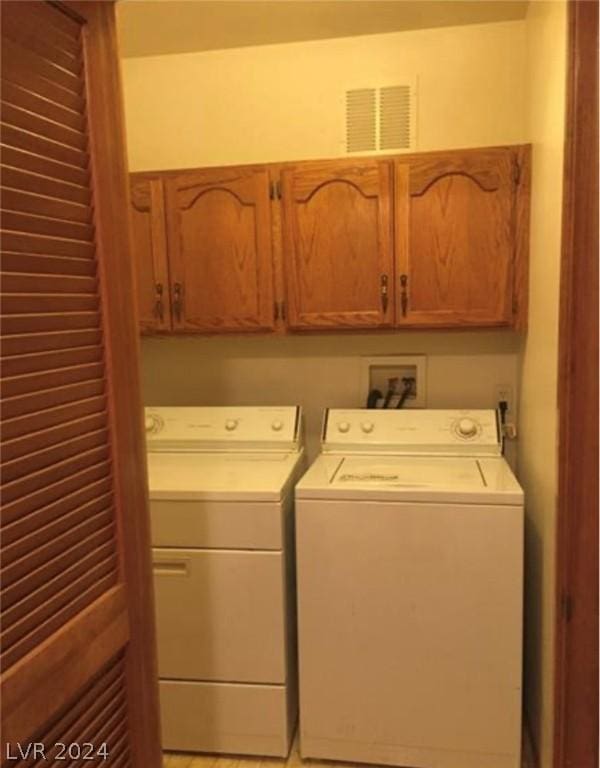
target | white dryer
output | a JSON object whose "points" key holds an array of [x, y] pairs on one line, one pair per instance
{"points": [[409, 541], [221, 503]]}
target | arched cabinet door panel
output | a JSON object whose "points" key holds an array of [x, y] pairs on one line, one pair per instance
{"points": [[149, 246], [337, 244], [219, 235], [456, 239]]}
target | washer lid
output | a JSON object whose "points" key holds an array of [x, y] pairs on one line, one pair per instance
{"points": [[220, 476], [411, 478]]}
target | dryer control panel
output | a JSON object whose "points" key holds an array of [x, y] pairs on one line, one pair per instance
{"points": [[428, 431], [223, 428]]}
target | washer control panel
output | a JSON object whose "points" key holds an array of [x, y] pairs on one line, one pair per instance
{"points": [[196, 428], [427, 431]]}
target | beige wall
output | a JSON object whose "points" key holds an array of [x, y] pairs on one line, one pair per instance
{"points": [[546, 74], [285, 102], [315, 372], [478, 85], [282, 102]]}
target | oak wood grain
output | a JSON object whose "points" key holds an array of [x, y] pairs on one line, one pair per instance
{"points": [[459, 259], [576, 623], [149, 244], [219, 239], [337, 244]]}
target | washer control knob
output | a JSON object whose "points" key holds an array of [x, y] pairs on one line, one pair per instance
{"points": [[277, 425], [466, 428], [343, 426], [231, 424], [367, 426]]}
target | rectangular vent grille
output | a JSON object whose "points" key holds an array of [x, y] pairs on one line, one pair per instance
{"points": [[379, 119], [361, 124], [394, 117]]}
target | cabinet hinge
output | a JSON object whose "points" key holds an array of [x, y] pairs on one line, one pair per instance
{"points": [[567, 607], [275, 190], [516, 173]]}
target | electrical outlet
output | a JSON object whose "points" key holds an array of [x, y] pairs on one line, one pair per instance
{"points": [[504, 393]]}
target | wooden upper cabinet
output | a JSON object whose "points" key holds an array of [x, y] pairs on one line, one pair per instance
{"points": [[150, 254], [219, 235], [459, 238], [337, 244]]}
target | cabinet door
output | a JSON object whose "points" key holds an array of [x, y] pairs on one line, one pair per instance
{"points": [[337, 243], [455, 238], [219, 233], [150, 254]]}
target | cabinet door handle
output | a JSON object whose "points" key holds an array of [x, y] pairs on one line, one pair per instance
{"points": [[177, 301], [384, 292], [404, 294], [158, 306], [171, 567]]}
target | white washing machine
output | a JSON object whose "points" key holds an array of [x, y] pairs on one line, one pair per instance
{"points": [[409, 542], [221, 502]]}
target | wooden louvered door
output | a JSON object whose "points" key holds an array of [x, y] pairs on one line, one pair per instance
{"points": [[77, 650]]}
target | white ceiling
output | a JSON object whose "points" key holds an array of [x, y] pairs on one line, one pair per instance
{"points": [[155, 27]]}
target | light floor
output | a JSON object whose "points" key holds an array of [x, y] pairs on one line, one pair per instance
{"points": [[180, 760]]}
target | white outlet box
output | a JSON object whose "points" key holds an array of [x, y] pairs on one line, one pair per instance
{"points": [[376, 372]]}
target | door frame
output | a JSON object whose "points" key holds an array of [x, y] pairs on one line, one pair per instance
{"points": [[576, 623]]}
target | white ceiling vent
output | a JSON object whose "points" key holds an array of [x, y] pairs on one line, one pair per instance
{"points": [[380, 119]]}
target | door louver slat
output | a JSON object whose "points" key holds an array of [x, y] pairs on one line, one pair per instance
{"points": [[31, 243], [21, 405], [55, 556], [43, 361], [13, 470], [48, 265], [44, 478], [43, 225], [17, 96], [72, 726], [53, 512], [85, 596], [29, 162], [18, 60], [70, 321], [30, 181], [53, 378], [40, 145], [42, 342], [54, 529], [52, 493], [51, 417], [52, 284], [38, 205], [34, 442], [36, 589], [48, 129]]}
